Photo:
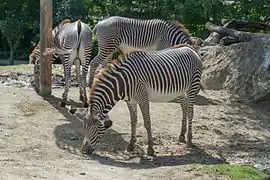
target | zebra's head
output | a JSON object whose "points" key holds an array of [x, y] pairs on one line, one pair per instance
{"points": [[95, 125]]}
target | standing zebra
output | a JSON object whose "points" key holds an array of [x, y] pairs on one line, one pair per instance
{"points": [[126, 34], [159, 76], [73, 42]]}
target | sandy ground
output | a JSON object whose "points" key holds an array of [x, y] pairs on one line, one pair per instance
{"points": [[40, 140]]}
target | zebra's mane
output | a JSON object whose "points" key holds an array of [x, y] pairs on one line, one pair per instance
{"points": [[56, 30], [33, 53], [115, 63], [65, 21], [182, 45], [182, 27]]}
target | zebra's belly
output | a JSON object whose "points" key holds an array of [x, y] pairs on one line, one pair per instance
{"points": [[155, 96], [129, 49]]}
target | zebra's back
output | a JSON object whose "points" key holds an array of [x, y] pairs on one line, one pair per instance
{"points": [[142, 34], [167, 73]]}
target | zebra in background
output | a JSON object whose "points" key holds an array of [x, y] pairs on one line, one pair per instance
{"points": [[142, 77], [125, 34], [73, 42]]}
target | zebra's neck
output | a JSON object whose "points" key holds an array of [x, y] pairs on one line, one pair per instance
{"points": [[109, 88], [179, 33]]}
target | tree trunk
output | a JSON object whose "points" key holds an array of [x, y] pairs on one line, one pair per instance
{"points": [[227, 35], [240, 24], [241, 35], [11, 51]]}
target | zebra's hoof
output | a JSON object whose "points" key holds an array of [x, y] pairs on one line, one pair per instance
{"points": [[150, 151], [63, 104], [189, 144], [130, 148], [182, 139], [85, 105]]}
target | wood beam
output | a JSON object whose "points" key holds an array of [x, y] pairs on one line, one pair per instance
{"points": [[45, 76]]}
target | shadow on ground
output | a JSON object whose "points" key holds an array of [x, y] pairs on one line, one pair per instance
{"points": [[111, 150], [195, 155]]}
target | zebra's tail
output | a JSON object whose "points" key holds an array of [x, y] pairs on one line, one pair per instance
{"points": [[79, 26], [79, 30]]}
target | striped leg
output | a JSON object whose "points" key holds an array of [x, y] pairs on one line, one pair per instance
{"points": [[78, 76], [133, 118], [85, 67], [184, 104], [144, 106], [67, 74], [106, 48], [190, 118], [85, 56], [93, 67], [191, 95]]}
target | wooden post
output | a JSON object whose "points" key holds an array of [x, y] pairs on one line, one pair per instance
{"points": [[45, 83]]}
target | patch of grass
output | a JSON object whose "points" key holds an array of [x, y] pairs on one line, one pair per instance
{"points": [[12, 66], [236, 172]]}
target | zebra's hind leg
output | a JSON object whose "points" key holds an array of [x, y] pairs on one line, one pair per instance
{"points": [[192, 93], [133, 120], [184, 104], [85, 52], [67, 74], [78, 77], [85, 67], [144, 106], [190, 118]]}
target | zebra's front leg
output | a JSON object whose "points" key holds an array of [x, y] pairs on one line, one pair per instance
{"points": [[78, 77], [184, 104], [93, 67], [133, 120], [144, 106], [67, 71]]}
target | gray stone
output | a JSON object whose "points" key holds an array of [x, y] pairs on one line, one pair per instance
{"points": [[243, 68]]}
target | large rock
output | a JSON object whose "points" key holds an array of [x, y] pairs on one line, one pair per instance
{"points": [[243, 69]]}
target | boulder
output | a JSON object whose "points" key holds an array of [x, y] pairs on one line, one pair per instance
{"points": [[242, 68]]}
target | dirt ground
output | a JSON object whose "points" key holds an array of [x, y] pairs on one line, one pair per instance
{"points": [[40, 140]]}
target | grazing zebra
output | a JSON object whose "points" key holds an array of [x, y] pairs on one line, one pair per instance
{"points": [[126, 34], [73, 42], [141, 77]]}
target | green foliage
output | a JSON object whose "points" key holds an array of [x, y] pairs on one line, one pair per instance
{"points": [[236, 172]]}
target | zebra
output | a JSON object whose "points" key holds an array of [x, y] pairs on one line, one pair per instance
{"points": [[73, 44], [138, 79], [121, 34]]}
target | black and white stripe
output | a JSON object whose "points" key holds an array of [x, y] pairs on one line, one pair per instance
{"points": [[75, 40], [126, 34], [142, 77]]}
